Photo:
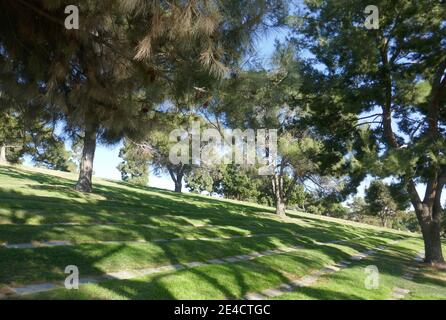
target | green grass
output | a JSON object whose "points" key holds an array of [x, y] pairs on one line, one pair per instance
{"points": [[392, 264], [36, 205], [217, 281]]}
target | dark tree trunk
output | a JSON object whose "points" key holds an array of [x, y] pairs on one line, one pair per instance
{"points": [[177, 177], [179, 180], [384, 222], [431, 230], [432, 243], [429, 213], [3, 154], [84, 183], [178, 186]]}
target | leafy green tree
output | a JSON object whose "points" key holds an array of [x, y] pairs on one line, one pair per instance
{"points": [[377, 96], [410, 222], [261, 98], [92, 75], [11, 137], [326, 204], [135, 165], [238, 183], [358, 208], [380, 202], [296, 165], [22, 135], [157, 143], [200, 179], [49, 151]]}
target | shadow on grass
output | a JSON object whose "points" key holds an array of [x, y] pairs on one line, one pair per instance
{"points": [[231, 281], [171, 213]]}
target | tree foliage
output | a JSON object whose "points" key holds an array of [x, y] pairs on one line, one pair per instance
{"points": [[135, 163], [382, 108], [105, 77], [380, 201]]}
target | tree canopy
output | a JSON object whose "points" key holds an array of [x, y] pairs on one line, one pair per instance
{"points": [[383, 98]]}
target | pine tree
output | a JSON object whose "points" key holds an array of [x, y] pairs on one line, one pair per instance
{"points": [[22, 133], [88, 76], [157, 143], [135, 165], [93, 75], [378, 96], [10, 137], [261, 98]]}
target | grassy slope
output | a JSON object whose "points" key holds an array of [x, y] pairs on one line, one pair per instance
{"points": [[32, 200]]}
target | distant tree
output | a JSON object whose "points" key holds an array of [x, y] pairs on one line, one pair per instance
{"points": [[238, 183], [296, 166], [358, 208], [266, 98], [201, 179], [410, 222], [296, 194], [76, 151], [135, 165], [49, 152], [334, 209], [157, 143], [327, 205], [380, 202]]}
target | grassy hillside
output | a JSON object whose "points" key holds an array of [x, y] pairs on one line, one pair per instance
{"points": [[119, 235]]}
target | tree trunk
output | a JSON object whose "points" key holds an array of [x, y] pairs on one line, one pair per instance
{"points": [[429, 213], [431, 230], [432, 243], [278, 195], [177, 177], [280, 207], [383, 222], [3, 154], [178, 185], [84, 183]]}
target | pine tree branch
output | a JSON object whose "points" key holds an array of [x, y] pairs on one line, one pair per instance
{"points": [[61, 23]]}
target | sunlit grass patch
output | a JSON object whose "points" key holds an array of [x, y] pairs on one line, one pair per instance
{"points": [[37, 206]]}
